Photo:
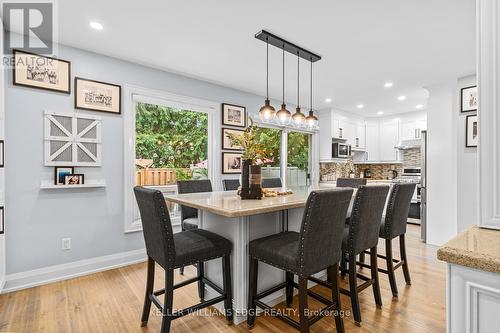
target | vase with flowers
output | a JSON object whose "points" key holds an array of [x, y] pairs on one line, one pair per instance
{"points": [[253, 157]]}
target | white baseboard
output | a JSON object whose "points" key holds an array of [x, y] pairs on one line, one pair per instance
{"points": [[36, 277]]}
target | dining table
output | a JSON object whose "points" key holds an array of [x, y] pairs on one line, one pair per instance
{"points": [[241, 221]]}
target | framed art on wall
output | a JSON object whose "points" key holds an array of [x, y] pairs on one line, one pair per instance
{"points": [[2, 220], [60, 174], [231, 163], [2, 154], [97, 96], [74, 179], [234, 115], [226, 143], [41, 72], [468, 99], [471, 131]]}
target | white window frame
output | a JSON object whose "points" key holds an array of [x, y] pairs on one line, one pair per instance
{"points": [[133, 95]]}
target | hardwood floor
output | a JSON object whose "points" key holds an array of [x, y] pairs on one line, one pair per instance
{"points": [[111, 301]]}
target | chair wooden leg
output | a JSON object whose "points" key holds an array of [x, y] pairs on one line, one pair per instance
{"points": [[228, 289], [343, 265], [361, 259], [289, 289], [150, 279], [402, 248], [303, 318], [181, 271], [353, 290], [374, 275], [201, 284], [252, 291], [390, 267], [167, 304], [333, 274]]}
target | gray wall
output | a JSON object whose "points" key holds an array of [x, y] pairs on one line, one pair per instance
{"points": [[93, 218]]}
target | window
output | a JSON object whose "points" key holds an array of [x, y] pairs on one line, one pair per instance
{"points": [[298, 158], [271, 138]]}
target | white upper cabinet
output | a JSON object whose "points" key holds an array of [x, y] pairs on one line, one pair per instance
{"points": [[411, 128], [389, 137], [360, 135], [372, 141]]}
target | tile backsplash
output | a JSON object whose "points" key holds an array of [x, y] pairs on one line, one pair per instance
{"points": [[412, 157]]}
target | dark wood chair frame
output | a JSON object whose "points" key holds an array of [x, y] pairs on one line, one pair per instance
{"points": [[151, 296], [304, 321]]}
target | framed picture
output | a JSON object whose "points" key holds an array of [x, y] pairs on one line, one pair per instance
{"points": [[60, 173], [226, 143], [231, 163], [74, 179], [468, 99], [2, 154], [471, 131], [234, 115], [41, 72], [97, 96], [2, 220]]}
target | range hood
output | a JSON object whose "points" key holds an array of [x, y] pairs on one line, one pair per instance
{"points": [[409, 144]]}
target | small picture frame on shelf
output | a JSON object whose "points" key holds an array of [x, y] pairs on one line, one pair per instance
{"points": [[60, 174], [97, 96], [231, 163], [226, 143], [468, 99], [74, 179], [41, 72], [2, 154], [2, 220], [471, 131], [234, 115]]}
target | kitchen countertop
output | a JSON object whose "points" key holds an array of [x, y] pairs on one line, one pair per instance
{"points": [[476, 247], [227, 203]]}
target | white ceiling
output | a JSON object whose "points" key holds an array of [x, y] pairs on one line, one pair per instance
{"points": [[364, 43]]}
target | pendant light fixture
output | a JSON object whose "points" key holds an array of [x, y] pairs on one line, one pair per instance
{"points": [[267, 112], [298, 117], [311, 119], [283, 114]]}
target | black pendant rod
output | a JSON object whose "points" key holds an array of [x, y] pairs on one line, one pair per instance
{"points": [[311, 102], [267, 68], [281, 43], [283, 74], [298, 81]]}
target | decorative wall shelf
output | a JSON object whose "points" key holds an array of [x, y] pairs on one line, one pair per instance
{"points": [[47, 185]]}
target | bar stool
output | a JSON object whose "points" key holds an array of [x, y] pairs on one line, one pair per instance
{"points": [[271, 182], [315, 248], [350, 182], [172, 251], [359, 235], [230, 184], [394, 225], [189, 216]]}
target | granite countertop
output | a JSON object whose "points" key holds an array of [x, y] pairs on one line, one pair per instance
{"points": [[229, 204], [476, 247]]}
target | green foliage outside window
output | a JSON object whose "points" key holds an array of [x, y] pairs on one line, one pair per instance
{"points": [[298, 150]]}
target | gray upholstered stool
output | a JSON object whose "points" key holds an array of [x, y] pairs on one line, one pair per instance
{"points": [[351, 182], [394, 225], [172, 251], [362, 234], [271, 182], [315, 248], [230, 184], [189, 216]]}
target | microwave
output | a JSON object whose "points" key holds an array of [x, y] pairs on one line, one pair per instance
{"points": [[341, 150]]}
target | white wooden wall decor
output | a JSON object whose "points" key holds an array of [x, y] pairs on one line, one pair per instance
{"points": [[72, 139], [489, 114]]}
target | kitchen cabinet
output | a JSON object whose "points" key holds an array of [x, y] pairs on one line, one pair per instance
{"points": [[389, 137], [361, 135], [410, 129], [372, 141]]}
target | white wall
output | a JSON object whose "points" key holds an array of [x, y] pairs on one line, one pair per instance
{"points": [[2, 175], [467, 166], [38, 219], [441, 163]]}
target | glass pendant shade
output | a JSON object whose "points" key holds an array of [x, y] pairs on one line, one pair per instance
{"points": [[267, 112], [312, 120], [298, 117], [283, 115]]}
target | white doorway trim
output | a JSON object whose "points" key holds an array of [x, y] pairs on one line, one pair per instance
{"points": [[134, 94]]}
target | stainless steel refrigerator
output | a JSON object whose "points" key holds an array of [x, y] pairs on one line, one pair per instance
{"points": [[423, 189]]}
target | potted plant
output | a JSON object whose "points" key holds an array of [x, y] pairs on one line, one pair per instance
{"points": [[254, 156]]}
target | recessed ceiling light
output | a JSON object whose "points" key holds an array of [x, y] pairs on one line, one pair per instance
{"points": [[419, 106], [388, 84], [380, 113], [96, 25], [360, 106], [401, 98], [328, 100]]}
